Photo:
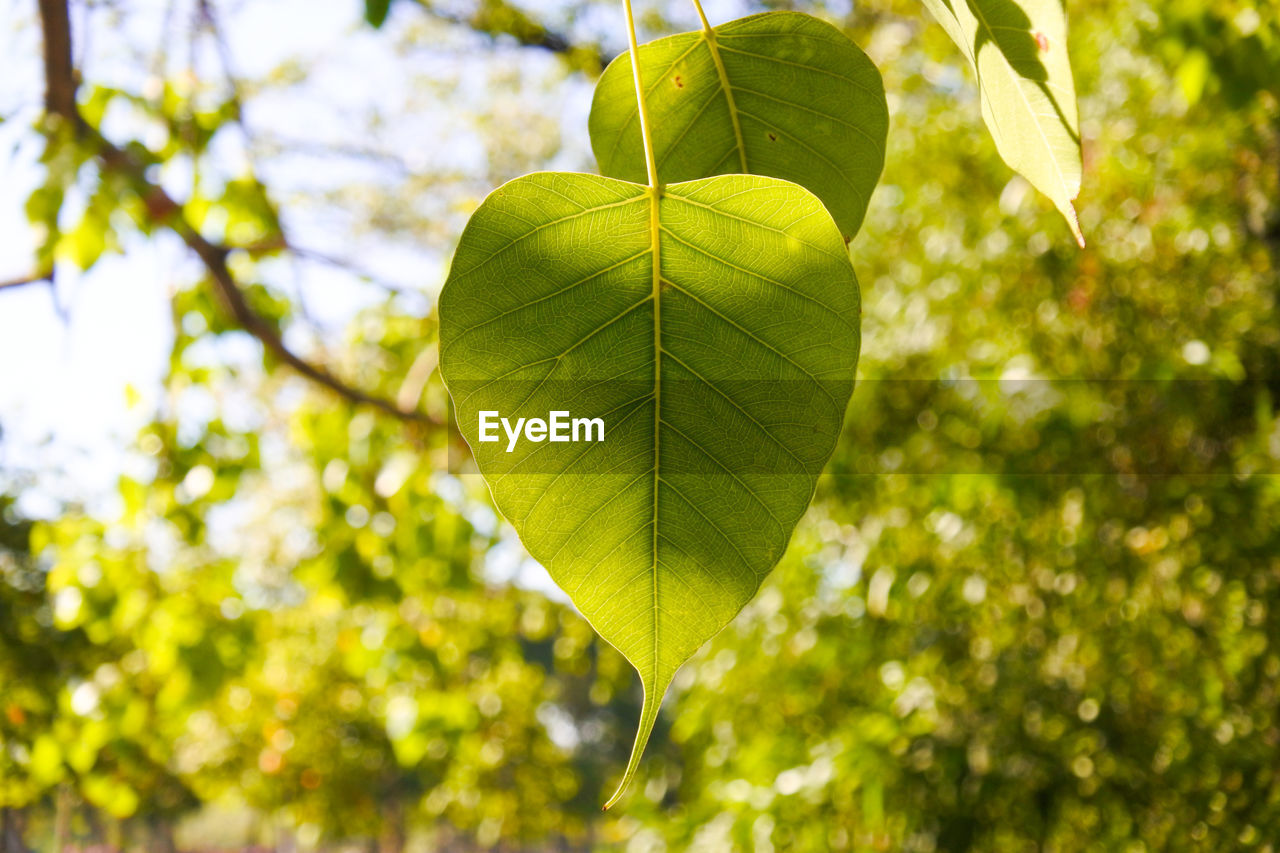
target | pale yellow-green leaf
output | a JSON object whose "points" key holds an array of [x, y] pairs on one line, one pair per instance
{"points": [[1018, 50]]}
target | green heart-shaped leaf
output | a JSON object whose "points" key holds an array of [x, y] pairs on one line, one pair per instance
{"points": [[1018, 50], [780, 94], [713, 328]]}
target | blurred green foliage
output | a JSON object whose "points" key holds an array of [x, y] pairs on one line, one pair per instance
{"points": [[1035, 606]]}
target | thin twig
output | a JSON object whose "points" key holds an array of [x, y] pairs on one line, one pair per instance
{"points": [[41, 277], [525, 31], [311, 148], [328, 260]]}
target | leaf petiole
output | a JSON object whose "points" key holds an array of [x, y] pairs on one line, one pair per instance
{"points": [[650, 162]]}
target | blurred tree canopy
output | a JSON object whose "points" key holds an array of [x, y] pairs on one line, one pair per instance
{"points": [[1036, 605]]}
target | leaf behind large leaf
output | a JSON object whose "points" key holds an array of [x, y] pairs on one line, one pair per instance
{"points": [[780, 94]]}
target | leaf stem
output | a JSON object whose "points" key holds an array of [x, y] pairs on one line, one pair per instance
{"points": [[706, 25], [649, 159]]}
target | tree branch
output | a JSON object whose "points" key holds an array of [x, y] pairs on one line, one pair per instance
{"points": [[60, 100], [495, 17], [41, 277], [59, 76]]}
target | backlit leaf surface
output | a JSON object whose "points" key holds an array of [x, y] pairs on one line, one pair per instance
{"points": [[779, 94], [716, 332], [1018, 50]]}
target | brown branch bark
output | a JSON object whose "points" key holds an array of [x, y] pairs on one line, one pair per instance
{"points": [[41, 277], [59, 75], [60, 101]]}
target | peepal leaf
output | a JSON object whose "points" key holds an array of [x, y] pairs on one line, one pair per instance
{"points": [[715, 331], [1018, 50], [780, 94], [375, 12]]}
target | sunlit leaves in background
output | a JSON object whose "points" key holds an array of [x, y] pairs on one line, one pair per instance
{"points": [[291, 618], [953, 653], [1230, 48]]}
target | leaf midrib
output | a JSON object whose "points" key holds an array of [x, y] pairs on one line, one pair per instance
{"points": [[655, 238], [709, 36]]}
